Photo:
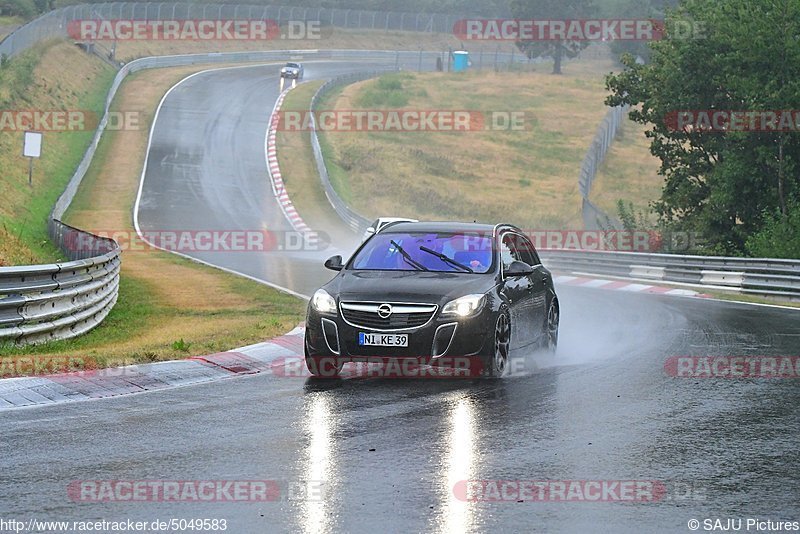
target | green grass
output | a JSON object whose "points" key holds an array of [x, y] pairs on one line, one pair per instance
{"points": [[388, 92], [25, 217], [336, 173], [527, 175], [132, 313], [138, 310]]}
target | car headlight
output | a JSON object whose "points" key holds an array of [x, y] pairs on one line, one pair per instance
{"points": [[323, 302], [465, 306]]}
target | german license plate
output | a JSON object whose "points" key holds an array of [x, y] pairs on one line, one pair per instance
{"points": [[383, 340]]}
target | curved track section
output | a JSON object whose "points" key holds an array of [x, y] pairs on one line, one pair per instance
{"points": [[390, 452], [206, 170]]}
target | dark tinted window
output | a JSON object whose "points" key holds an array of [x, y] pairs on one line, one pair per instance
{"points": [[381, 253], [508, 251], [526, 250]]}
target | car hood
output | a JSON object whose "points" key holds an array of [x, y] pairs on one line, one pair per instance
{"points": [[407, 286]]}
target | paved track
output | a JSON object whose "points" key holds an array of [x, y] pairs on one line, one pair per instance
{"points": [[390, 451]]}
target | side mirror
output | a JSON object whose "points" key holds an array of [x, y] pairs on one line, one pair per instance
{"points": [[517, 269], [370, 230], [334, 263]]}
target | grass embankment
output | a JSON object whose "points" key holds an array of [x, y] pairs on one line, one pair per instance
{"points": [[629, 172], [168, 307], [44, 78], [526, 176]]}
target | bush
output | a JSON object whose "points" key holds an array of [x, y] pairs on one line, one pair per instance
{"points": [[16, 78], [17, 8], [779, 236]]}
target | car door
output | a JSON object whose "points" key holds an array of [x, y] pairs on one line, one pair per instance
{"points": [[517, 293], [538, 283]]}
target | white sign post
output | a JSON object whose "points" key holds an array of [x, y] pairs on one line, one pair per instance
{"points": [[32, 148]]}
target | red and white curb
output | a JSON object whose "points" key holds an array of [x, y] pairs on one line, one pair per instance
{"points": [[622, 285], [114, 382], [274, 169]]}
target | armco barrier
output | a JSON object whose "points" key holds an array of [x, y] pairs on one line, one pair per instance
{"points": [[60, 300], [765, 277]]}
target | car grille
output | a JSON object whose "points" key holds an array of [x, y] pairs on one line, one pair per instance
{"points": [[404, 316]]}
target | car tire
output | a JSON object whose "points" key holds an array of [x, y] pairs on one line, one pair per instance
{"points": [[550, 338], [497, 362]]}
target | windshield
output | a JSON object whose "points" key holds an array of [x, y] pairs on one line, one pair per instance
{"points": [[293, 65], [439, 252]]}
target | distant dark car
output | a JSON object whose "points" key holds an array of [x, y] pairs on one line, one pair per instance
{"points": [[292, 71], [430, 291]]}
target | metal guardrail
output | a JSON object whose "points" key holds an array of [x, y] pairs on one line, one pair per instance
{"points": [[593, 217], [765, 277], [60, 300], [357, 222], [54, 23]]}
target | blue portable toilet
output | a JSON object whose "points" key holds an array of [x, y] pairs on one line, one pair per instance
{"points": [[460, 60]]}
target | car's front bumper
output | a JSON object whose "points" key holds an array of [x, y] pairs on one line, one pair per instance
{"points": [[443, 340]]}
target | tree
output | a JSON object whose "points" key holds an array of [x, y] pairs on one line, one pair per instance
{"points": [[720, 183], [552, 10], [634, 9]]}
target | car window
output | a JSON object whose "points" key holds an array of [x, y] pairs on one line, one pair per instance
{"points": [[508, 251], [381, 253], [526, 250]]}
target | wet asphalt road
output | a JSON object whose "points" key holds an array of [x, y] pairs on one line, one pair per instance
{"points": [[206, 170], [602, 409]]}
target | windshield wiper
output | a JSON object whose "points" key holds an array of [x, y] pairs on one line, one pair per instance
{"points": [[446, 259], [407, 257]]}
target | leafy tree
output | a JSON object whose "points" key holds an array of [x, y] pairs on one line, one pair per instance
{"points": [[634, 9], [720, 184], [552, 10]]}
